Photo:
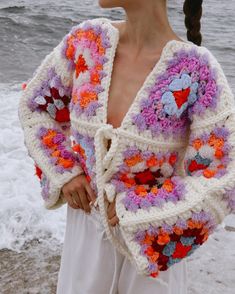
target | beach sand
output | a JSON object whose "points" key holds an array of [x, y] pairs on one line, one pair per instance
{"points": [[34, 270]]}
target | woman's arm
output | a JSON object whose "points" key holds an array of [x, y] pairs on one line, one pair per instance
{"points": [[45, 119]]}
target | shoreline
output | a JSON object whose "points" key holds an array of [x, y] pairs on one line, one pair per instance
{"points": [[34, 270]]}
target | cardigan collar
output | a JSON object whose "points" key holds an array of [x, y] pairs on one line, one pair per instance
{"points": [[110, 31], [158, 67]]}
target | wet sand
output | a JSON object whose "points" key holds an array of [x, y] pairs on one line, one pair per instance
{"points": [[35, 269]]}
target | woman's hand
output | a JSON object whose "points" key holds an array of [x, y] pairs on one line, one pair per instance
{"points": [[111, 212], [78, 193]]}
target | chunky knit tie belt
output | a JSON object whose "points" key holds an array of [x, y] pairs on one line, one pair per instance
{"points": [[104, 170], [104, 158]]}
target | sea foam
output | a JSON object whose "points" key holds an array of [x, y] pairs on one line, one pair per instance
{"points": [[22, 214]]}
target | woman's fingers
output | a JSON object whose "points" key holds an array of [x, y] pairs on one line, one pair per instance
{"points": [[111, 211], [105, 197], [78, 193], [76, 199], [84, 199], [90, 192], [70, 201], [114, 220]]}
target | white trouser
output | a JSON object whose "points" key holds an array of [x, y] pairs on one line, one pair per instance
{"points": [[91, 265]]}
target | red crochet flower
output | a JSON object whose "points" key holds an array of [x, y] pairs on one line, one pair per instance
{"points": [[194, 166], [181, 251], [81, 65], [145, 177]]}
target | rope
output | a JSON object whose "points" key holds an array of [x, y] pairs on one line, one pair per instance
{"points": [[106, 131]]}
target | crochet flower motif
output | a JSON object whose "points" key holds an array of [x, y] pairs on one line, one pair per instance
{"points": [[86, 51], [188, 86], [54, 144], [208, 154], [182, 94], [84, 148], [53, 97], [81, 65], [147, 178], [166, 245]]}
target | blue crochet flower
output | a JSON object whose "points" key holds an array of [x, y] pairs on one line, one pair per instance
{"points": [[182, 93], [169, 248], [187, 241]]}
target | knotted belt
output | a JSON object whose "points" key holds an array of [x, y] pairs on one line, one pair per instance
{"points": [[104, 157], [103, 161], [103, 169]]}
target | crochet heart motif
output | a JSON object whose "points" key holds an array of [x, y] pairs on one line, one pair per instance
{"points": [[181, 96]]}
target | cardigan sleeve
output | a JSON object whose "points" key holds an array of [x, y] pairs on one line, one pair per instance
{"points": [[44, 114], [159, 237]]}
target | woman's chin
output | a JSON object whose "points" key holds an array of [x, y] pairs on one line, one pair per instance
{"points": [[110, 3]]}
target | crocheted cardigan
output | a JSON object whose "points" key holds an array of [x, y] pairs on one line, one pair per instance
{"points": [[171, 163]]}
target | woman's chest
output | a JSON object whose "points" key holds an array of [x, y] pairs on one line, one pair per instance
{"points": [[127, 77], [148, 98]]}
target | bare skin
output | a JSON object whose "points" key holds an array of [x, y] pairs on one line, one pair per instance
{"points": [[142, 37], [78, 193]]}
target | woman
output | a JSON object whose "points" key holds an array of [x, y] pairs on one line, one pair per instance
{"points": [[87, 84]]}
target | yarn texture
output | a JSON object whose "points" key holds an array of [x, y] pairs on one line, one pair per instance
{"points": [[171, 164]]}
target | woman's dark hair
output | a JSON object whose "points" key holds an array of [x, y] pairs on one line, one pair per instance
{"points": [[193, 12]]}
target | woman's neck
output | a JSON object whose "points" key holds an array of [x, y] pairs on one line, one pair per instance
{"points": [[146, 27]]}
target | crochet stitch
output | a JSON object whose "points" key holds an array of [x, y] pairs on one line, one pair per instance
{"points": [[166, 245], [54, 144], [187, 81], [52, 97], [148, 179], [83, 146], [171, 164]]}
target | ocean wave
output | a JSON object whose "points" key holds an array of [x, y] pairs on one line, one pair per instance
{"points": [[14, 9], [22, 215]]}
